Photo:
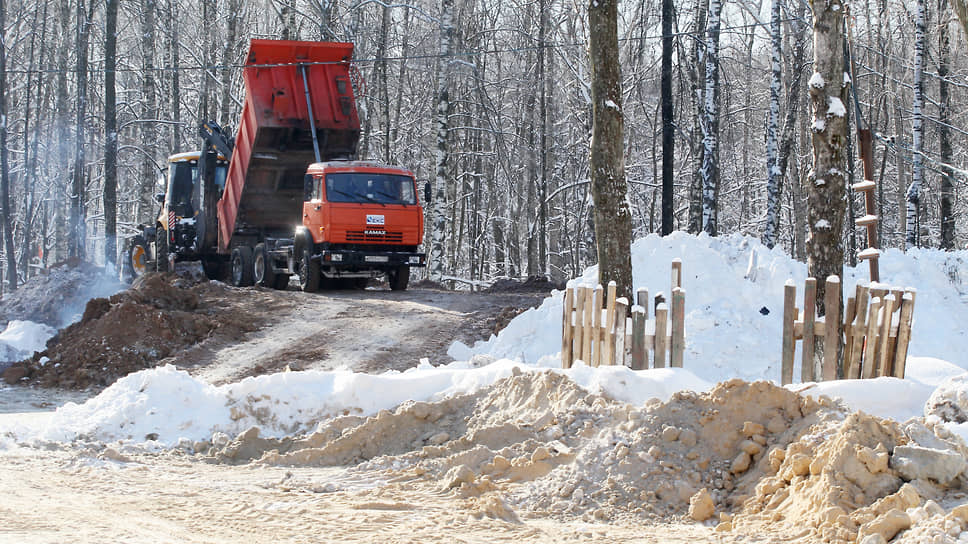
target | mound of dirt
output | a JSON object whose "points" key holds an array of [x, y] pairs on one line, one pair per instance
{"points": [[764, 459], [57, 296], [137, 328], [532, 284]]}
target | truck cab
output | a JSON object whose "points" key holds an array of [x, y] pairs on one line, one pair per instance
{"points": [[360, 220]]}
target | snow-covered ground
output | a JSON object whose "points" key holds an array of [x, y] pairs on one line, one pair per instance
{"points": [[727, 336]]}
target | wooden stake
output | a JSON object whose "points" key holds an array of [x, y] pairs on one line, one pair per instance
{"points": [[621, 315], [586, 333], [808, 370], [789, 344], [567, 329], [639, 355], [608, 354], [904, 332], [597, 326], [642, 299], [857, 332], [848, 324], [676, 273], [678, 327], [885, 361], [832, 332], [661, 335], [871, 341]]}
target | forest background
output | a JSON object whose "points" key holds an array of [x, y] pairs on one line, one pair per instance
{"points": [[510, 84]]}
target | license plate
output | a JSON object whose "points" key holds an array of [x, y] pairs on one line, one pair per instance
{"points": [[376, 258]]}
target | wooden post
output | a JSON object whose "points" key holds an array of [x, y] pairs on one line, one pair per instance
{"points": [[871, 341], [678, 327], [904, 332], [676, 273], [789, 343], [885, 360], [858, 331], [586, 333], [639, 359], [832, 333], [808, 370], [597, 326], [642, 299], [848, 326], [567, 329], [621, 315], [608, 354], [661, 335]]}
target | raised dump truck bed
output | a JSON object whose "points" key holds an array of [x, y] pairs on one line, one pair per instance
{"points": [[264, 188]]}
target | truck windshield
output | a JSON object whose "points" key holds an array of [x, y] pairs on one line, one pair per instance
{"points": [[369, 187]]}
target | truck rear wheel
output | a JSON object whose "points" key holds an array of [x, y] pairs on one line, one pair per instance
{"points": [[309, 272], [398, 278], [242, 266], [262, 272]]}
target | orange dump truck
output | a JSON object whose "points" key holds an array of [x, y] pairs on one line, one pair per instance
{"points": [[286, 195]]}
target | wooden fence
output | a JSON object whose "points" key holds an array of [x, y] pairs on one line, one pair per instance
{"points": [[612, 337], [874, 333]]}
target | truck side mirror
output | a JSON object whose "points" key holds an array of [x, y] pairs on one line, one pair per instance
{"points": [[160, 198], [427, 193], [307, 187]]}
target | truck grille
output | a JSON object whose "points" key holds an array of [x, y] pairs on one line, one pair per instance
{"points": [[374, 236]]}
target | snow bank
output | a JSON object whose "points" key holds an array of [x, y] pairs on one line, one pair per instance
{"points": [[734, 293], [21, 339]]}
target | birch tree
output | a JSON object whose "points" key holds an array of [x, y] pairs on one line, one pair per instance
{"points": [[914, 190], [439, 225], [4, 159], [613, 220], [710, 167], [773, 174]]}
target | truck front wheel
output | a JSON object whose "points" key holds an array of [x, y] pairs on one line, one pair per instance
{"points": [[309, 272], [242, 266], [398, 278]]}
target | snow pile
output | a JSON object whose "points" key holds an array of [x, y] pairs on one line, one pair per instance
{"points": [[21, 339], [730, 282], [57, 296]]}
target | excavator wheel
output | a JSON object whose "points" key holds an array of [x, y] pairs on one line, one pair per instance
{"points": [[309, 272], [135, 261], [262, 272], [242, 266], [161, 250]]}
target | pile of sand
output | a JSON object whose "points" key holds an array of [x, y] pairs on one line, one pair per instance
{"points": [[750, 457]]}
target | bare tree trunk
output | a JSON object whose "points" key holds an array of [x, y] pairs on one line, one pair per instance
{"points": [[912, 237], [825, 188], [773, 175], [439, 225], [944, 136], [110, 133], [4, 162], [668, 120], [77, 236], [697, 77], [613, 221], [149, 110], [710, 169]]}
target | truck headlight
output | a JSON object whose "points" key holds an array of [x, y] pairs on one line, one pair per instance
{"points": [[337, 257], [414, 259]]}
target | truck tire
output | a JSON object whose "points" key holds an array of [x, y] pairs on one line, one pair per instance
{"points": [[262, 272], [242, 266], [214, 268], [282, 282], [161, 250], [399, 277], [309, 272]]}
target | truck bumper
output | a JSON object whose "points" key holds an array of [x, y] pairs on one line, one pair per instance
{"points": [[354, 259]]}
